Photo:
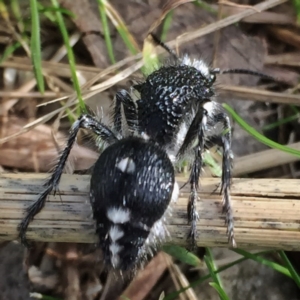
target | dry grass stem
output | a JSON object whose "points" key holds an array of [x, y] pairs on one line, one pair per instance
{"points": [[266, 212], [263, 160], [246, 93], [265, 5]]}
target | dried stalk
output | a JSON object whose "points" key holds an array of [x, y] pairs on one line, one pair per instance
{"points": [[266, 212], [246, 93]]}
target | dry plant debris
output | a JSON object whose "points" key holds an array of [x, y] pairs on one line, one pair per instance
{"points": [[261, 41]]}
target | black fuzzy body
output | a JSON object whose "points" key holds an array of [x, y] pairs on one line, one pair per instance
{"points": [[168, 97], [132, 184], [144, 192], [176, 109]]}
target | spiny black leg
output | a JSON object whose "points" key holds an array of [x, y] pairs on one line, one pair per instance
{"points": [[117, 115], [85, 121], [196, 130], [225, 190], [225, 142], [193, 215], [130, 110]]}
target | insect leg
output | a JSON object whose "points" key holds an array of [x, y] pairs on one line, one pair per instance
{"points": [[130, 111], [84, 121], [196, 130], [224, 141]]}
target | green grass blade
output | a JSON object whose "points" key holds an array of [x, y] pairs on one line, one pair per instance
{"points": [[9, 50], [290, 266], [121, 28], [280, 122], [15, 7], [70, 53], [51, 9], [220, 291], [47, 12], [203, 5], [35, 46], [213, 165], [297, 9], [182, 254], [102, 11], [175, 295], [43, 297], [210, 260], [277, 267], [123, 32], [217, 284], [258, 135], [166, 25]]}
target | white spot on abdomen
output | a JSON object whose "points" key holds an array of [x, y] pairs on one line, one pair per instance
{"points": [[175, 192], [118, 215], [115, 233], [114, 248], [126, 165], [115, 258]]}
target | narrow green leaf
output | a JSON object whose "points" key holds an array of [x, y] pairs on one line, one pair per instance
{"points": [[220, 291], [121, 28], [280, 122], [166, 25], [123, 32], [212, 267], [294, 108], [197, 282], [297, 9], [203, 5], [70, 53], [215, 166], [277, 267], [291, 268], [47, 12], [35, 46], [52, 9], [102, 11], [15, 7], [43, 297], [258, 135], [182, 254], [9, 50], [217, 284]]}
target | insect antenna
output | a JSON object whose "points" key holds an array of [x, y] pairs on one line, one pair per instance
{"points": [[158, 42], [242, 71]]}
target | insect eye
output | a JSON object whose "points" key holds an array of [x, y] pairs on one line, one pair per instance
{"points": [[212, 78]]}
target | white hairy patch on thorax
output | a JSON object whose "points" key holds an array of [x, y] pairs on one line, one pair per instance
{"points": [[210, 107], [198, 64]]}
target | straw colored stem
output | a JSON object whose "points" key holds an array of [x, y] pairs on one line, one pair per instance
{"points": [[266, 212]]}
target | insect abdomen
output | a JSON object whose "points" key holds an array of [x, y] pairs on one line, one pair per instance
{"points": [[131, 188]]}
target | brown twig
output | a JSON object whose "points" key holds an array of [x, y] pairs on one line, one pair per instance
{"points": [[266, 212], [246, 93]]}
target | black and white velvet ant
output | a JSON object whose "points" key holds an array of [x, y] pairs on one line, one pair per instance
{"points": [[132, 185], [176, 110], [133, 180]]}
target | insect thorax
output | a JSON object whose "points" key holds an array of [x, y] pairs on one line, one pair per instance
{"points": [[169, 96]]}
